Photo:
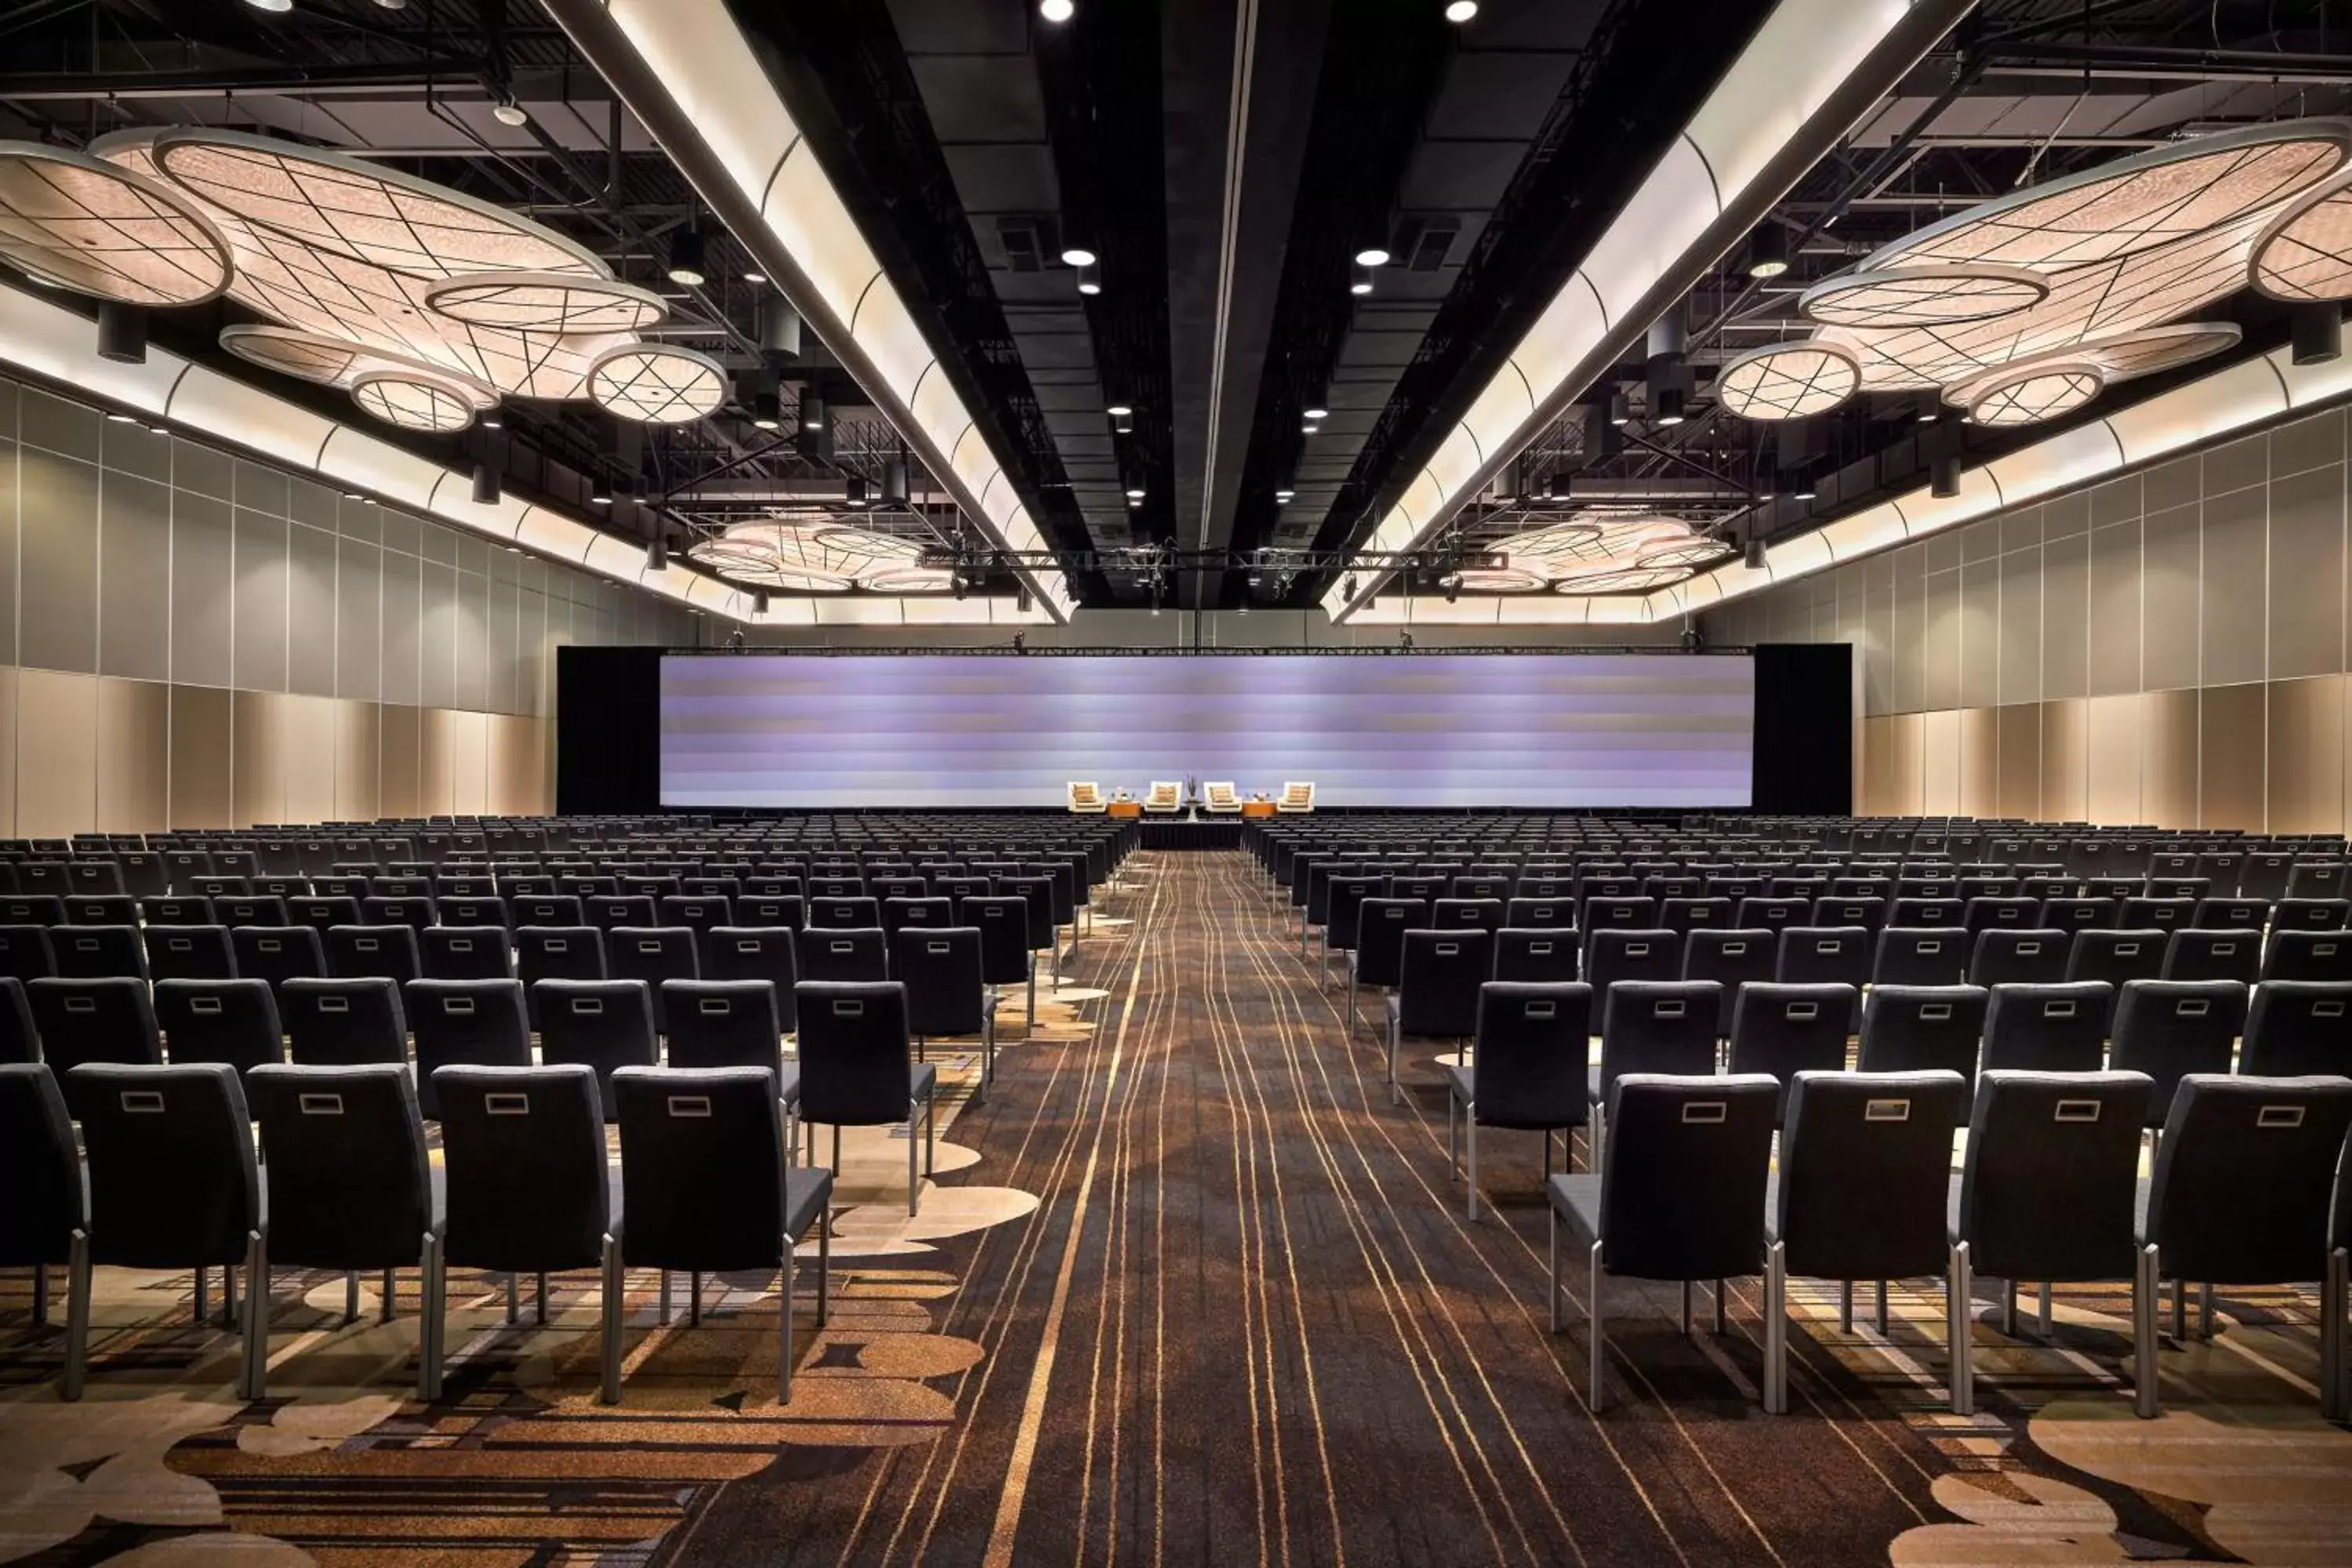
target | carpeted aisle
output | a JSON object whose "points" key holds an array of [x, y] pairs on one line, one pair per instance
{"points": [[1188, 1290]]}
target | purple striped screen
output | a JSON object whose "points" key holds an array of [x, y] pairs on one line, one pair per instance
{"points": [[1421, 730]]}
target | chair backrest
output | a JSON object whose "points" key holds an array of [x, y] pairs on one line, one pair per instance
{"points": [[2051, 1175], [40, 1170], [846, 954], [2294, 1028], [1683, 1175], [374, 951], [854, 1052], [2207, 954], [606, 911], [2117, 957], [1545, 956], [1823, 955], [522, 1151], [1296, 796], [2308, 955], [1381, 925], [98, 953], [2012, 955], [758, 952], [855, 912], [1438, 977], [2311, 914], [941, 968], [653, 954], [1865, 1173], [1923, 1029], [20, 1037], [1163, 795], [1531, 1049], [723, 1024], [1221, 795], [1657, 1027], [2245, 1178], [93, 1021], [1613, 955], [189, 952], [1086, 796], [232, 1021], [544, 910], [2171, 1028], [1732, 958], [1634, 913], [604, 1024], [702, 1167], [24, 953], [2048, 1028], [470, 1023], [467, 953], [1784, 1028], [343, 1023], [349, 1185], [922, 911], [172, 1183]]}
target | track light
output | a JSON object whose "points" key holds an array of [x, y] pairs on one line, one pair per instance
{"points": [[657, 551], [121, 332], [1944, 478], [780, 329], [2317, 332], [1089, 281], [486, 484], [854, 491], [1767, 251], [1668, 406], [767, 409], [1754, 555], [1360, 283], [894, 481], [759, 601], [812, 412], [1078, 256], [685, 257], [1057, 11]]}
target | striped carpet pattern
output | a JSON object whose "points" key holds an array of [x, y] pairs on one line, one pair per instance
{"points": [[1187, 1289]]}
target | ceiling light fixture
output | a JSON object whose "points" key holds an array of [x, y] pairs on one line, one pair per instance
{"points": [[1944, 478], [767, 409], [1309, 426], [272, 5], [1668, 406], [780, 329], [812, 411], [121, 332], [1754, 553], [1089, 281], [600, 491], [118, 417], [493, 419], [657, 551], [486, 484], [1621, 412], [1119, 410], [2317, 330], [1767, 251], [1314, 410], [1124, 424], [1057, 11], [759, 601], [507, 111], [1373, 250], [685, 257], [755, 278], [1078, 256], [1135, 492], [1360, 283], [854, 490], [894, 481], [1460, 11], [1283, 495], [1348, 585]]}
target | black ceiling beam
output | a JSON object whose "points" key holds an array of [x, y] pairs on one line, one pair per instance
{"points": [[283, 80]]}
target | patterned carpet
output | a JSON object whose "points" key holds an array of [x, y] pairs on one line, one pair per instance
{"points": [[1187, 1289]]}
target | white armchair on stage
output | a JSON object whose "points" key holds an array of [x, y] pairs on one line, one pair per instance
{"points": [[1223, 799], [1087, 797], [1296, 797], [1164, 799]]}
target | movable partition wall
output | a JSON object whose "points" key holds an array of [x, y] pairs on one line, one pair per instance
{"points": [[1769, 729]]}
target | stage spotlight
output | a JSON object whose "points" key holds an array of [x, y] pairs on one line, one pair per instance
{"points": [[1767, 251], [121, 332], [1944, 478], [485, 485], [685, 257], [2317, 332]]}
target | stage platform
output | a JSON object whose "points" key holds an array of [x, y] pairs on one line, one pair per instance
{"points": [[1225, 834]]}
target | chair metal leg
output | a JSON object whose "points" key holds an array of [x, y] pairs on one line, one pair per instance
{"points": [[76, 1315], [40, 1295], [693, 1298], [203, 1294], [1776, 1329], [2009, 1308], [1352, 1020], [824, 1266], [257, 1316], [1552, 1230], [391, 1295], [2333, 1402], [1881, 1305], [428, 1356], [1470, 1137], [930, 1130], [785, 1328], [1396, 1091], [1598, 1399], [1033, 993], [1959, 1319], [914, 1183], [514, 1300], [2205, 1310], [1452, 1138], [228, 1317], [351, 1299], [836, 1151], [1686, 1308], [608, 1389], [2049, 1324], [664, 1296], [540, 1311], [2180, 1311], [2145, 1401], [1845, 1306], [1720, 1291]]}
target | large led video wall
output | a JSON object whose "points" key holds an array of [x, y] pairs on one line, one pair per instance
{"points": [[1423, 730]]}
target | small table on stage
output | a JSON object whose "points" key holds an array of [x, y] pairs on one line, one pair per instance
{"points": [[1257, 808], [1127, 808], [1224, 833]]}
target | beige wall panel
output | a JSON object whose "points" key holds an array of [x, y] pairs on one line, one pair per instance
{"points": [[2305, 736], [1979, 760], [2066, 760], [469, 761], [8, 741], [401, 792], [2017, 776], [1875, 788], [134, 756], [57, 754], [200, 757], [1939, 764], [258, 771], [2168, 760], [2112, 747], [2230, 755], [518, 766], [357, 761], [1905, 777], [309, 757], [436, 750]]}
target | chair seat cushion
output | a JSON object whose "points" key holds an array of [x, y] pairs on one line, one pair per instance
{"points": [[1576, 1198], [808, 1189]]}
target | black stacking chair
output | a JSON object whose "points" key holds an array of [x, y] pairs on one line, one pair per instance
{"points": [[1343, 911], [558, 910], [1731, 959], [467, 953], [321, 913], [851, 955], [732, 1024], [20, 1040], [414, 911], [2139, 912], [2206, 954], [850, 913], [2227, 1141], [1613, 955], [2117, 957], [605, 1024], [99, 952], [947, 997], [79, 1021], [2048, 1028], [1003, 924], [607, 911], [2308, 955], [2047, 1194], [857, 1068], [1526, 1071], [2005, 955], [101, 909], [171, 1184], [529, 1185], [45, 1222], [24, 953], [1825, 955], [472, 911], [1680, 1196], [231, 1021], [1866, 1177], [1378, 961], [2311, 914], [1620, 914], [349, 1189], [2171, 1028], [1537, 957], [1537, 913], [556, 952], [687, 1134], [758, 952], [1781, 1028], [653, 954], [2232, 914], [1651, 1026], [32, 910], [1923, 1029], [1037, 895], [465, 1023], [1466, 914], [923, 910], [343, 1023], [374, 952], [1438, 977], [2294, 1028]]}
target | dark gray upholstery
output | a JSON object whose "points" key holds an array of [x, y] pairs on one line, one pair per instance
{"points": [[1731, 958], [40, 1171], [2296, 1027], [1923, 1029], [373, 952], [343, 1023], [2244, 1178], [758, 952], [2053, 1165], [604, 1024], [653, 954], [1866, 1172], [527, 1179], [231, 1021], [469, 1023], [857, 1065], [1657, 1027], [278, 953], [93, 1021], [189, 952], [20, 1038], [1921, 955], [98, 953], [1526, 1068], [1782, 1030], [1536, 956], [847, 954], [467, 953], [2171, 1028], [349, 1183], [2308, 955], [2048, 1028], [2196, 954]]}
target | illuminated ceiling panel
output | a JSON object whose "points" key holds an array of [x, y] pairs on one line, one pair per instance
{"points": [[814, 552], [1788, 381], [657, 384], [1923, 296], [545, 303], [2029, 397], [83, 224], [2308, 253], [413, 402]]}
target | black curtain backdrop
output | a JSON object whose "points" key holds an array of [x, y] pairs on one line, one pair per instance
{"points": [[1804, 729], [608, 729]]}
